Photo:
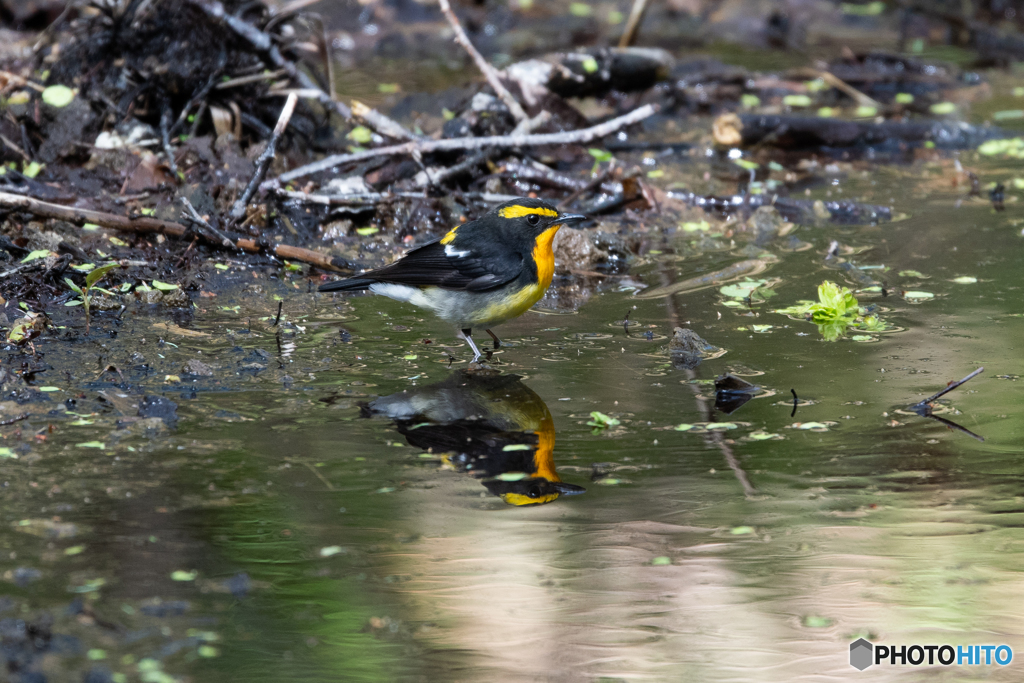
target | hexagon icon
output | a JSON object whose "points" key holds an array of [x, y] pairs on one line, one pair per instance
{"points": [[860, 654]]}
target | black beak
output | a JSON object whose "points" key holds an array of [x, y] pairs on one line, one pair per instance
{"points": [[570, 218], [568, 489]]}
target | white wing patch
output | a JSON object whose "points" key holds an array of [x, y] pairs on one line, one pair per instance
{"points": [[452, 252]]}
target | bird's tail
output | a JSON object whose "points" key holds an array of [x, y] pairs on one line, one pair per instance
{"points": [[350, 285]]}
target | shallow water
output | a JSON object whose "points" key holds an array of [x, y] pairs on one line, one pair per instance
{"points": [[277, 532]]}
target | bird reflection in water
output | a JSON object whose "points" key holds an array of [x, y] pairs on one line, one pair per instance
{"points": [[487, 424]]}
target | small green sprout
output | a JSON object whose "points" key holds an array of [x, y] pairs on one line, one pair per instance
{"points": [[91, 279]]}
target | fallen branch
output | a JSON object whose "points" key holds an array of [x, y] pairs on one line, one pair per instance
{"points": [[489, 72], [147, 224], [263, 162], [801, 132], [503, 141]]}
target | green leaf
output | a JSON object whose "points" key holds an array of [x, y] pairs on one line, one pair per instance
{"points": [[58, 95], [182, 575], [904, 98], [580, 9], [741, 530], [942, 108], [749, 101], [37, 254], [164, 286], [600, 155], [367, 231], [797, 101], [72, 285], [97, 274], [31, 169], [590, 65], [602, 421], [661, 561], [6, 452], [965, 280], [91, 444], [360, 135]]}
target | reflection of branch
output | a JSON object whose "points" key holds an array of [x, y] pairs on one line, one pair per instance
{"points": [[715, 437], [954, 425], [489, 72], [923, 405]]}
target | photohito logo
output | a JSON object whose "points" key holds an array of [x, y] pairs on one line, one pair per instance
{"points": [[863, 654]]}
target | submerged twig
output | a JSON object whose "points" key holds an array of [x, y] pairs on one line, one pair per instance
{"points": [[489, 72], [924, 404], [503, 141], [148, 224], [263, 162]]}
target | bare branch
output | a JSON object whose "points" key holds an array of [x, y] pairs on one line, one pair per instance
{"points": [[502, 141], [489, 72], [263, 162]]}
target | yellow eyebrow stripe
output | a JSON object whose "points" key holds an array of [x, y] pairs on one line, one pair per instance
{"points": [[518, 210], [450, 236]]}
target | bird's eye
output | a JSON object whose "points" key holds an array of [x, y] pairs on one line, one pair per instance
{"points": [[533, 219]]}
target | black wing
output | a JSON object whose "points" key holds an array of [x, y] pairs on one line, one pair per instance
{"points": [[478, 270]]}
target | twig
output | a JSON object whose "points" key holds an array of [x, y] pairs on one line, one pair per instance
{"points": [[18, 269], [501, 141], [467, 164], [592, 185], [12, 145], [280, 306], [12, 420], [252, 78], [263, 162], [381, 123], [839, 84], [165, 138], [923, 405], [147, 224], [636, 15], [200, 98], [262, 42], [372, 198], [193, 216], [489, 72]]}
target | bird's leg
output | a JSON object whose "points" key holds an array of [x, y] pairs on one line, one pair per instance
{"points": [[467, 334], [497, 342]]}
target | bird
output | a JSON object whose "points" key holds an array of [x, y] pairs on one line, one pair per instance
{"points": [[481, 273]]}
